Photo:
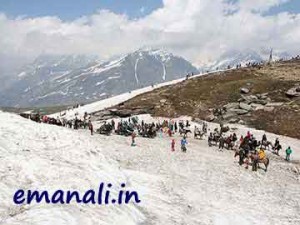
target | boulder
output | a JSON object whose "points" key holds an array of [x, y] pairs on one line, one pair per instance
{"points": [[234, 120], [102, 113], [260, 101], [245, 106], [239, 111], [264, 97], [244, 90], [210, 118], [274, 104], [122, 113], [197, 120], [228, 115], [293, 92], [163, 101], [269, 109], [257, 106], [232, 105], [242, 122], [248, 99], [103, 118], [113, 110]]}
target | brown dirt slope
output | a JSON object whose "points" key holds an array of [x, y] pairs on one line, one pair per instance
{"points": [[198, 96]]}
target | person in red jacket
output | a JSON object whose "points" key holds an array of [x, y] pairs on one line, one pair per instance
{"points": [[170, 132], [173, 145]]}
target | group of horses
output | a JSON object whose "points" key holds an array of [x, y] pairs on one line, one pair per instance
{"points": [[245, 150], [248, 154]]}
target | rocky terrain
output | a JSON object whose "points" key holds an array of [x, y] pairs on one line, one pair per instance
{"points": [[264, 98]]}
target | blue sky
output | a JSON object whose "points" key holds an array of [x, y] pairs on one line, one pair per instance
{"points": [[71, 9], [293, 7]]}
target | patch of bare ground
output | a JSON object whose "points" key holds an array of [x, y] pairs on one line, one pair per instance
{"points": [[197, 97]]}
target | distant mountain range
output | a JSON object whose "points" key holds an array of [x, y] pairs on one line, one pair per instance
{"points": [[54, 80], [70, 79], [234, 57]]}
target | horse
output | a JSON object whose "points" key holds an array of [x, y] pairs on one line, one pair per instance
{"points": [[243, 157], [184, 131], [105, 129], [229, 143], [198, 134], [265, 144], [214, 138], [256, 161]]}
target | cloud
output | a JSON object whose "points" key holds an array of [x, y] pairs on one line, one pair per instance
{"points": [[196, 29]]}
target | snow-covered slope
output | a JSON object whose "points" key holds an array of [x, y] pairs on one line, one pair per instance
{"points": [[69, 79], [112, 101], [203, 186]]}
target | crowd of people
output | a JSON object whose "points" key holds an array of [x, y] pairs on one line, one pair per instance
{"points": [[249, 149]]}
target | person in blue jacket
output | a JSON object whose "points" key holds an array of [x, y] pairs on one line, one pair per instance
{"points": [[183, 144]]}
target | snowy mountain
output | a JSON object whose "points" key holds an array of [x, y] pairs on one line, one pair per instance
{"points": [[233, 58], [69, 79]]}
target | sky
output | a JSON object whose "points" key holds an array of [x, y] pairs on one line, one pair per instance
{"points": [[199, 30], [69, 10]]}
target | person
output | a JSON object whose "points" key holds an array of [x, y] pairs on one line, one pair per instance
{"points": [[241, 139], [255, 160], [113, 124], [133, 136], [277, 149], [204, 127], [288, 152], [210, 139], [221, 143], [183, 144], [261, 154], [234, 137], [248, 135], [187, 123], [76, 123], [175, 127], [276, 143], [169, 132], [91, 128], [173, 145], [143, 123]]}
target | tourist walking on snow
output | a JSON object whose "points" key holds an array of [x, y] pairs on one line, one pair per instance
{"points": [[173, 145], [91, 128], [175, 127], [170, 132], [133, 136], [288, 152], [183, 144], [113, 124]]}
